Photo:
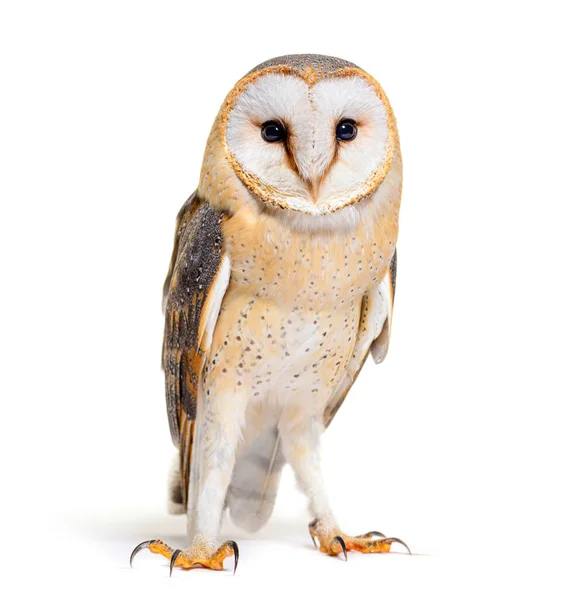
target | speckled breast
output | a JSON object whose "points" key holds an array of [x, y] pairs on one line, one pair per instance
{"points": [[290, 317]]}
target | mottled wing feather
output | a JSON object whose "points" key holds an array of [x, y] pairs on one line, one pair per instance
{"points": [[373, 336], [182, 219], [194, 288], [394, 272]]}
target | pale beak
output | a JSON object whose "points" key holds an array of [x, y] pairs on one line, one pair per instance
{"points": [[314, 184]]}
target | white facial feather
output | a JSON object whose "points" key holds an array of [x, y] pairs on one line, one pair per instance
{"points": [[352, 98], [272, 97], [310, 115]]}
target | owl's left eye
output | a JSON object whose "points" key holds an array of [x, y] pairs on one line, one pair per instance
{"points": [[273, 131], [346, 130]]}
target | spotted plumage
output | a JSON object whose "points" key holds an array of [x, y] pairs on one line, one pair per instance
{"points": [[281, 283]]}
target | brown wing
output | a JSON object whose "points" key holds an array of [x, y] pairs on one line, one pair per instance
{"points": [[373, 335], [184, 215], [195, 285]]}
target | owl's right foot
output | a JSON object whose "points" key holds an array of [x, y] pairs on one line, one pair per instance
{"points": [[199, 555]]}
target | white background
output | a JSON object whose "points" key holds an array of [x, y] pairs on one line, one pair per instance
{"points": [[458, 443]]}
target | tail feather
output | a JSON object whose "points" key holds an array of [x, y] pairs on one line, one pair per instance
{"points": [[255, 481], [177, 505]]}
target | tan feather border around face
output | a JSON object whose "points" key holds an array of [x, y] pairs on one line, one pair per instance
{"points": [[311, 76]]}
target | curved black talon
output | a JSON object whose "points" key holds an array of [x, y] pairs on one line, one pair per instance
{"points": [[310, 527], [341, 541], [175, 555], [371, 534], [397, 541], [234, 547], [140, 547]]}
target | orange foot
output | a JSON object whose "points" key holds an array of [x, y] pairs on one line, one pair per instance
{"points": [[333, 542], [194, 557]]}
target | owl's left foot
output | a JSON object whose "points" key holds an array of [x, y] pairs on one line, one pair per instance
{"points": [[334, 542]]}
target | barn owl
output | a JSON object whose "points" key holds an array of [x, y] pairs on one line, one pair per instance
{"points": [[280, 285]]}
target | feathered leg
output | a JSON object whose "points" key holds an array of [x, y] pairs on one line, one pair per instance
{"points": [[300, 442], [219, 429]]}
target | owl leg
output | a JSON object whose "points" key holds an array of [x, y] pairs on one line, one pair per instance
{"points": [[300, 437], [300, 444], [219, 432]]}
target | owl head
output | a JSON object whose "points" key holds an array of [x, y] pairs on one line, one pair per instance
{"points": [[308, 133]]}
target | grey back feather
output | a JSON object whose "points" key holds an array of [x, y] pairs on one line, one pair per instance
{"points": [[320, 63]]}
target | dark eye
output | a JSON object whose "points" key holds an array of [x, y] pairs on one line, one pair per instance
{"points": [[346, 130], [272, 131]]}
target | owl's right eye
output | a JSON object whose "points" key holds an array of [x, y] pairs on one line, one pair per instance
{"points": [[273, 131]]}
